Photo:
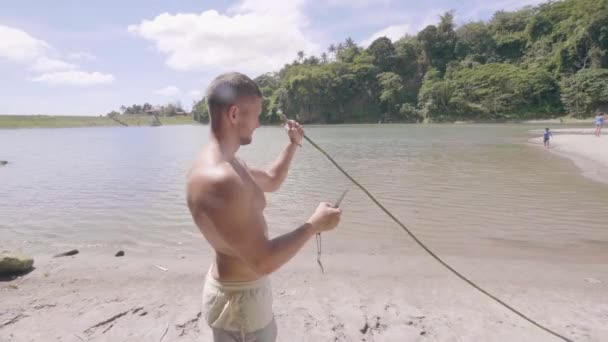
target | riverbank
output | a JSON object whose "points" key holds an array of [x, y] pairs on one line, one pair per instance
{"points": [[588, 152], [152, 296], [49, 121]]}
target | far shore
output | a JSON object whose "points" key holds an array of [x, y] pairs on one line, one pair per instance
{"points": [[66, 121]]}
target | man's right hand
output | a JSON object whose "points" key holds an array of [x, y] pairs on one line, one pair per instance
{"points": [[325, 218]]}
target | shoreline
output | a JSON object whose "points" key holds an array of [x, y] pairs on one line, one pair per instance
{"points": [[8, 122], [588, 152], [68, 121], [360, 297]]}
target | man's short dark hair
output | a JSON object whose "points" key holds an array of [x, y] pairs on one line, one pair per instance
{"points": [[226, 89]]}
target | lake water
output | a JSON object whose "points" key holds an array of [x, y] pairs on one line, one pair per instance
{"points": [[469, 190]]}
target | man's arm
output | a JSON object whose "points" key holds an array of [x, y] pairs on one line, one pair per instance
{"points": [[271, 180], [242, 230]]}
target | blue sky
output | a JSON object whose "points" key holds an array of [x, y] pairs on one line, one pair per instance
{"points": [[90, 57]]}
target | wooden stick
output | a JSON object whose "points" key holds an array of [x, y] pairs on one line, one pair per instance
{"points": [[111, 319], [165, 333]]}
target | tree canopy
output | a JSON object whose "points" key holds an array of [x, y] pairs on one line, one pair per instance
{"points": [[536, 62]]}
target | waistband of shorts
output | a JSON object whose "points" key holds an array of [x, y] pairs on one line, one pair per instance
{"points": [[236, 285]]}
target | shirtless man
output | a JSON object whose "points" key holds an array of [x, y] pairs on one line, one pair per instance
{"points": [[226, 200]]}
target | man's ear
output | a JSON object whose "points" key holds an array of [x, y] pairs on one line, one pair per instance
{"points": [[233, 113]]}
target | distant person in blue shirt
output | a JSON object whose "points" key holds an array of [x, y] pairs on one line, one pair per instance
{"points": [[599, 122], [546, 138]]}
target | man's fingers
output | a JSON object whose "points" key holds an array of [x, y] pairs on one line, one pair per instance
{"points": [[293, 123]]}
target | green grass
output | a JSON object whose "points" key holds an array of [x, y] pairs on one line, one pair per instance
{"points": [[178, 120], [146, 120], [568, 119], [49, 121]]}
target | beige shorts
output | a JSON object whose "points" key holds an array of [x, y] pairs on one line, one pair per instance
{"points": [[239, 307]]}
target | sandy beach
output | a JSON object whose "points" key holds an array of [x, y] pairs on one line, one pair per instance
{"points": [[94, 296], [588, 152]]}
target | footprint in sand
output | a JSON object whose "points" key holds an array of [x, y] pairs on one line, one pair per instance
{"points": [[376, 325], [338, 330], [394, 323], [391, 309]]}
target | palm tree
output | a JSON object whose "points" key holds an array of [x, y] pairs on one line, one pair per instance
{"points": [[332, 50], [446, 23], [324, 58], [312, 60], [349, 42], [339, 49]]}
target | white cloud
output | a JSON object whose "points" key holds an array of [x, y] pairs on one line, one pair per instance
{"points": [[45, 64], [196, 94], [511, 5], [357, 3], [81, 55], [412, 25], [269, 6], [432, 17], [18, 46], [74, 78], [393, 32], [169, 91], [474, 9], [258, 36]]}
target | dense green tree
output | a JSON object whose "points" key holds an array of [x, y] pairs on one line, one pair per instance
{"points": [[384, 54], [439, 42], [537, 62], [586, 91]]}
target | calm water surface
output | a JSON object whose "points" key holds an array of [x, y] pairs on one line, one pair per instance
{"points": [[473, 190]]}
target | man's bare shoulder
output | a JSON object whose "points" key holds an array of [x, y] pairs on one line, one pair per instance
{"points": [[221, 176], [217, 182]]}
